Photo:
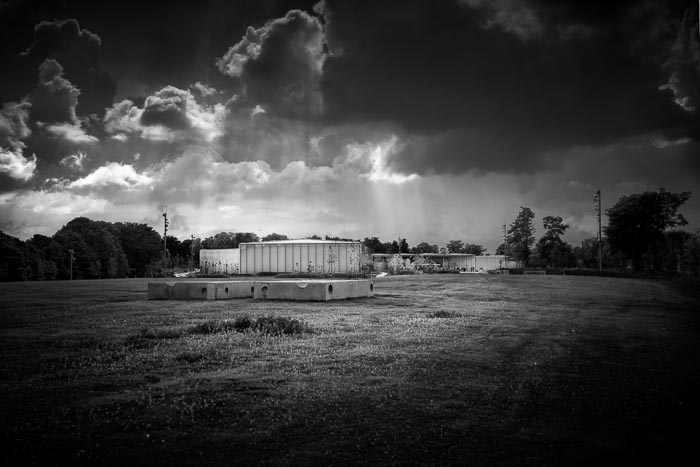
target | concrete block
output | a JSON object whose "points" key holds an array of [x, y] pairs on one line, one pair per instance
{"points": [[199, 290], [312, 290], [194, 291], [233, 289]]}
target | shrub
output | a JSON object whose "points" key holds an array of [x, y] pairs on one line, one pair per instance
{"points": [[189, 357], [276, 326], [444, 314], [270, 325]]}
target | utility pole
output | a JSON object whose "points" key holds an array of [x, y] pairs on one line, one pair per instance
{"points": [[191, 268], [71, 252], [165, 234], [598, 209]]}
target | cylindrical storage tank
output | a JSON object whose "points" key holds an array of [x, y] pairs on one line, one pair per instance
{"points": [[301, 256]]}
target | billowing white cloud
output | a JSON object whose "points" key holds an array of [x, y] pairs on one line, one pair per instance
{"points": [[203, 89], [73, 133], [113, 174], [74, 161], [280, 64], [171, 114], [373, 159], [14, 164]]}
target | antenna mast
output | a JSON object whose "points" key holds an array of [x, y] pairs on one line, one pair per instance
{"points": [[165, 232]]}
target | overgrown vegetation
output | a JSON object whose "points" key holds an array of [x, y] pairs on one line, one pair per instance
{"points": [[444, 314], [268, 325]]}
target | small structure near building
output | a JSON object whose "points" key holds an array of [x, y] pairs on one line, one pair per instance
{"points": [[439, 262], [225, 261]]}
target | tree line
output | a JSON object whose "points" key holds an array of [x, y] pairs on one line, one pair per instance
{"points": [[643, 233]]}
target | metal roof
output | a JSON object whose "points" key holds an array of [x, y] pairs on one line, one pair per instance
{"points": [[302, 241]]}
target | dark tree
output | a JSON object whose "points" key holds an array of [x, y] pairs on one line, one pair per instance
{"points": [[142, 246], [521, 235], [13, 263], [552, 250], [394, 247], [403, 246], [229, 240], [374, 245], [502, 249], [455, 246], [99, 237], [636, 224], [274, 236], [86, 264], [690, 261], [424, 247], [474, 249]]}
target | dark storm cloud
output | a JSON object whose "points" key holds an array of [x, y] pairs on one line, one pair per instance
{"points": [[683, 64], [167, 107], [79, 52], [461, 150], [539, 76], [55, 98], [280, 64], [13, 122], [512, 16]]}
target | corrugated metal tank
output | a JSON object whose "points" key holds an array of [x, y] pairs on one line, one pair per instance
{"points": [[220, 261], [303, 256]]}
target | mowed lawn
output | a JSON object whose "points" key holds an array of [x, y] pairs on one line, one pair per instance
{"points": [[435, 369]]}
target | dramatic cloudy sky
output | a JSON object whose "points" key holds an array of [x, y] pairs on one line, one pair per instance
{"points": [[429, 120]]}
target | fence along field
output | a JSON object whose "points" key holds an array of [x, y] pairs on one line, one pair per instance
{"points": [[434, 369]]}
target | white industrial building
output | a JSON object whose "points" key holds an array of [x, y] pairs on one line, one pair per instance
{"points": [[285, 256]]}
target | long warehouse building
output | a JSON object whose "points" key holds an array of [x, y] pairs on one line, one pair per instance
{"points": [[285, 256]]}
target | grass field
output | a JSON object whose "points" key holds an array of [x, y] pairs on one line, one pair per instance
{"points": [[436, 369]]}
